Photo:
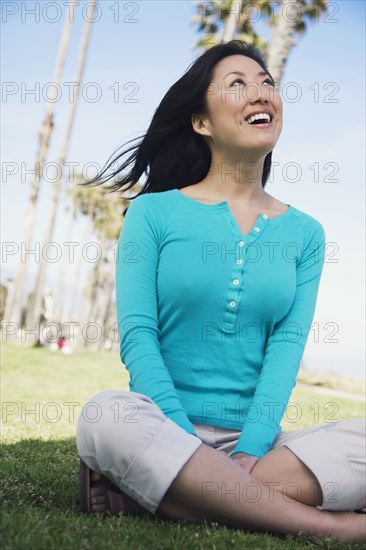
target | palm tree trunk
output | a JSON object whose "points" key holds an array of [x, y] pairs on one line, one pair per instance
{"points": [[8, 298], [90, 312], [14, 311], [107, 324], [107, 305], [75, 288], [232, 21], [59, 298], [35, 314], [283, 38]]}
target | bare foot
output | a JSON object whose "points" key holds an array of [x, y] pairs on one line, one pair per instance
{"points": [[98, 495], [351, 526], [106, 497]]}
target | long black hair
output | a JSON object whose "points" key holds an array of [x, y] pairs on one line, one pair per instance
{"points": [[171, 154]]}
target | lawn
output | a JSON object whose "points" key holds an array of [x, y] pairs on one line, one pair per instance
{"points": [[42, 395]]}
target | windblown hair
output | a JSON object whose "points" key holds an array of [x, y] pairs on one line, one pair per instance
{"points": [[171, 154]]}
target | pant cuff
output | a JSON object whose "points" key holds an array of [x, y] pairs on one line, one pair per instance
{"points": [[158, 464]]}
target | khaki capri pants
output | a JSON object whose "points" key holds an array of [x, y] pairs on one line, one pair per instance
{"points": [[126, 437]]}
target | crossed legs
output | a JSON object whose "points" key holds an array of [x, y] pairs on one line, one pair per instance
{"points": [[289, 476], [212, 486], [174, 474]]}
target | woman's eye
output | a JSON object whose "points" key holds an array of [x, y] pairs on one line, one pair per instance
{"points": [[238, 80], [267, 81]]}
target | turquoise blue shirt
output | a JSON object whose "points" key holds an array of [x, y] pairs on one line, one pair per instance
{"points": [[213, 323]]}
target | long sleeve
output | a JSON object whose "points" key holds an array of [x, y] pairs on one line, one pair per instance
{"points": [[284, 351], [137, 310]]}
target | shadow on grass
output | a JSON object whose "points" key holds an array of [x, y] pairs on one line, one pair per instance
{"points": [[39, 490], [43, 474]]}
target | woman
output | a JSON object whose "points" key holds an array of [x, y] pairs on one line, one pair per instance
{"points": [[216, 287]]}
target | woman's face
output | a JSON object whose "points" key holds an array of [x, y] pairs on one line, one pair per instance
{"points": [[239, 89]]}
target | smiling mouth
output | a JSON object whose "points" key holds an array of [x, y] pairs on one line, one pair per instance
{"points": [[259, 119]]}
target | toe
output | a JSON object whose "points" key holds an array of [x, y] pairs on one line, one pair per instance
{"points": [[102, 499], [98, 509], [95, 476], [98, 503], [97, 490]]}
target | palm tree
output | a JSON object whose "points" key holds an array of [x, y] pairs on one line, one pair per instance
{"points": [[230, 25], [15, 307], [104, 219], [71, 213], [4, 293], [33, 318], [289, 21], [229, 18], [107, 222], [85, 201]]}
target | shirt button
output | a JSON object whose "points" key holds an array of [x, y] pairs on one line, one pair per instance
{"points": [[265, 216], [236, 281], [256, 229], [232, 303], [241, 243], [239, 262]]}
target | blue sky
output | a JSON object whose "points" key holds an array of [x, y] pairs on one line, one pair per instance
{"points": [[320, 168]]}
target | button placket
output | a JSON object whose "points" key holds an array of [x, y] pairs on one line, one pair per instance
{"points": [[238, 273], [235, 291]]}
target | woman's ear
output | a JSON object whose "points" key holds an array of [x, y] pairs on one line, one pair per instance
{"points": [[199, 124]]}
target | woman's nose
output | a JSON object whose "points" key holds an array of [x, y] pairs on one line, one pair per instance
{"points": [[255, 92]]}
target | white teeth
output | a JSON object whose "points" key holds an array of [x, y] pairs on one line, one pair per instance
{"points": [[264, 116]]}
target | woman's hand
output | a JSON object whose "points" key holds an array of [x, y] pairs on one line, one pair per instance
{"points": [[245, 461]]}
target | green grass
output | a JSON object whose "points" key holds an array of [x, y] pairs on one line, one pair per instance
{"points": [[40, 462]]}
